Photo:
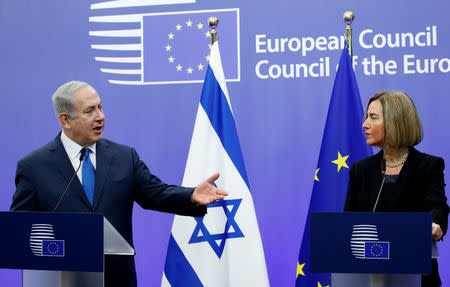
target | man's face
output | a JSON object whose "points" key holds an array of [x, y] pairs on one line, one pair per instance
{"points": [[86, 128]]}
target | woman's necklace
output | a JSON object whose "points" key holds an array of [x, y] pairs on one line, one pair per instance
{"points": [[397, 163]]}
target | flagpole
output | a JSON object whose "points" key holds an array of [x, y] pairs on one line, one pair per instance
{"points": [[348, 17], [213, 21]]}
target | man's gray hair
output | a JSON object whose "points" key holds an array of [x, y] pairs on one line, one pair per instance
{"points": [[63, 97]]}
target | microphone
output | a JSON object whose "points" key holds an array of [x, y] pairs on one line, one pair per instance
{"points": [[383, 171], [82, 152]]}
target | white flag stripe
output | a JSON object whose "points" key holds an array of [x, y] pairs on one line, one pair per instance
{"points": [[118, 47], [365, 229], [130, 18], [215, 63], [119, 59], [359, 246], [122, 71], [120, 82], [46, 228], [136, 3], [33, 230], [117, 33], [133, 18], [164, 282], [364, 238]]}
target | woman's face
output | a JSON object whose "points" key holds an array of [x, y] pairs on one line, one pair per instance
{"points": [[373, 125]]}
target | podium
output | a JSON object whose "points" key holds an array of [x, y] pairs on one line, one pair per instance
{"points": [[59, 249], [371, 249]]}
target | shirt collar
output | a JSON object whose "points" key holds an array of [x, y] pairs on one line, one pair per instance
{"points": [[72, 148]]}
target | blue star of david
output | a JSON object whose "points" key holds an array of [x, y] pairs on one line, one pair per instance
{"points": [[211, 238]]}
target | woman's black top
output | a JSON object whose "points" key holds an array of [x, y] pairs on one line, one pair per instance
{"points": [[419, 187]]}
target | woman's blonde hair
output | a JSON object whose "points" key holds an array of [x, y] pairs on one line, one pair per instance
{"points": [[402, 125]]}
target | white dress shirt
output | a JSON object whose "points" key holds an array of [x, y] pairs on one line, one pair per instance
{"points": [[73, 152]]}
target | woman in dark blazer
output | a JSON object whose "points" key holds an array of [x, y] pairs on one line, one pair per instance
{"points": [[411, 181]]}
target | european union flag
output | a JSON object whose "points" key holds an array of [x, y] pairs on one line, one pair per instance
{"points": [[376, 250], [343, 142], [176, 45], [53, 248]]}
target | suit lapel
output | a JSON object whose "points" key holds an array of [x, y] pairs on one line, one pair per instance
{"points": [[375, 183], [405, 178], [407, 174], [65, 167], [103, 159]]}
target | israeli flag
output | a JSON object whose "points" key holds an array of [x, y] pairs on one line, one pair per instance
{"points": [[224, 248]]}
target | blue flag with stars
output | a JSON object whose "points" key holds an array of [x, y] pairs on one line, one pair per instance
{"points": [[343, 142], [53, 248], [177, 45]]}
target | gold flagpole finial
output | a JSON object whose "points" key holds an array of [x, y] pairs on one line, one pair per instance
{"points": [[348, 18], [213, 21]]}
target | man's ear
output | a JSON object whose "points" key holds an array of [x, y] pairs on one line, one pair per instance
{"points": [[64, 120]]}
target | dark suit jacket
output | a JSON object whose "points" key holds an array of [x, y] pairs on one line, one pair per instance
{"points": [[120, 179], [419, 188]]}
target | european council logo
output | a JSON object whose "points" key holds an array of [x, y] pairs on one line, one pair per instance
{"points": [[160, 48], [365, 244], [43, 243]]}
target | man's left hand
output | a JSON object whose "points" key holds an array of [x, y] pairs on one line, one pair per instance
{"points": [[206, 193]]}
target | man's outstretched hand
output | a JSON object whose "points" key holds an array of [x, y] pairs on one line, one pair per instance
{"points": [[206, 193]]}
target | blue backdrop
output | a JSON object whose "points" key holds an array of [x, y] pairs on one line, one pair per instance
{"points": [[280, 65]]}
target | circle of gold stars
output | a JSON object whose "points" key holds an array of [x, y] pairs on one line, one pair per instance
{"points": [[171, 37], [53, 248], [376, 250]]}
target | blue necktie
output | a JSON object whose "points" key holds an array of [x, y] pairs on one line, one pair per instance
{"points": [[88, 176]]}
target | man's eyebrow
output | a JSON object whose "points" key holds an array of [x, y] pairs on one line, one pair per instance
{"points": [[89, 107]]}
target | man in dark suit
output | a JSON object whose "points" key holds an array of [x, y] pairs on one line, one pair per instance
{"points": [[109, 178]]}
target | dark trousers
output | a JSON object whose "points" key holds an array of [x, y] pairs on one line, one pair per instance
{"points": [[120, 271], [433, 279]]}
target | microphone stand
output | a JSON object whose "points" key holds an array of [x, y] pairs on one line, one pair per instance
{"points": [[383, 171], [82, 152]]}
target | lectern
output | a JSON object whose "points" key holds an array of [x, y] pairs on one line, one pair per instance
{"points": [[59, 249], [371, 249]]}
